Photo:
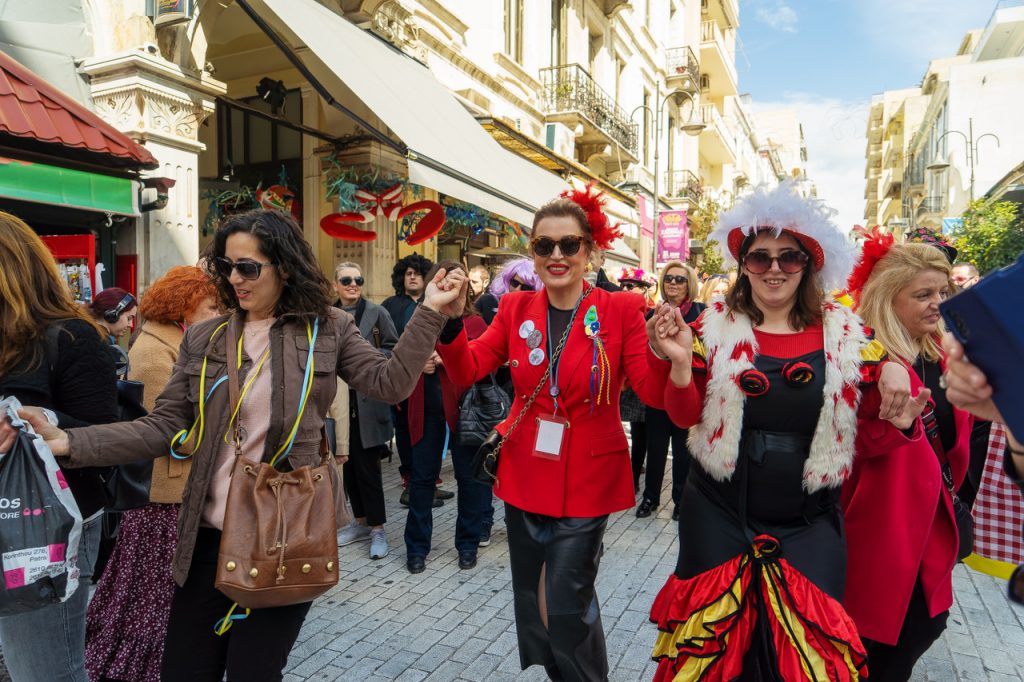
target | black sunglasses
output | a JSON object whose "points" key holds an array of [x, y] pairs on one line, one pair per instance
{"points": [[515, 283], [568, 245], [345, 281], [760, 262], [247, 269], [676, 279]]}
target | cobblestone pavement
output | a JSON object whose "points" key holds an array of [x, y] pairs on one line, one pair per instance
{"points": [[381, 623]]}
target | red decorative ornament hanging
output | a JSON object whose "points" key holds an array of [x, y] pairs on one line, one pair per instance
{"points": [[387, 204], [279, 197]]}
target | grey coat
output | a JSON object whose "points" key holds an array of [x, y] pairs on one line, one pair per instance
{"points": [[375, 425]]}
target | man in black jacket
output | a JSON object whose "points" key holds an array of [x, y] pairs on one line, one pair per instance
{"points": [[408, 278]]}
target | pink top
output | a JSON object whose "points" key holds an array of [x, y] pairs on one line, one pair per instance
{"points": [[253, 417]]}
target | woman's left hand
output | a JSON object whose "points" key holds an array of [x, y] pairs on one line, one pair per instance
{"points": [[894, 386], [912, 410]]}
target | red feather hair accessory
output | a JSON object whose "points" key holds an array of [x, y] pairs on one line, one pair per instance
{"points": [[591, 201], [876, 245]]}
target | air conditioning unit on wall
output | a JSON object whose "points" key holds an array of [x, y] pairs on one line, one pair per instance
{"points": [[560, 139]]}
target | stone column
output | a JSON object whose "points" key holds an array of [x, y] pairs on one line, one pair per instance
{"points": [[161, 106]]}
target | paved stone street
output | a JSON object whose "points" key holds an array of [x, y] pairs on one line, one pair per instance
{"points": [[381, 623]]}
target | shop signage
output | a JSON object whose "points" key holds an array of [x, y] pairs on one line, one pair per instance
{"points": [[171, 11], [673, 236]]}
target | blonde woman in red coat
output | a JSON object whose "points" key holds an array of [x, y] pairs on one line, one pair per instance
{"points": [[566, 466], [900, 527]]}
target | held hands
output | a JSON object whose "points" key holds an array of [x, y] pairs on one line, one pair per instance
{"points": [[56, 439], [898, 407], [447, 292], [432, 363], [672, 338]]}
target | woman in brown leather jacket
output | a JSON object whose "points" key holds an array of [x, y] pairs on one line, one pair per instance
{"points": [[270, 282]]}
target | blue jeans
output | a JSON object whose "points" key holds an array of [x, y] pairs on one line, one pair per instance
{"points": [[426, 465], [49, 643]]}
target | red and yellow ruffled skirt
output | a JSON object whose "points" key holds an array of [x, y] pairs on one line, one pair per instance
{"points": [[708, 622]]}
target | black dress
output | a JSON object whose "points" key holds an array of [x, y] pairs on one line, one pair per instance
{"points": [[759, 534]]}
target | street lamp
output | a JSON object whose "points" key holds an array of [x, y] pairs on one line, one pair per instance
{"points": [[939, 164], [691, 127]]}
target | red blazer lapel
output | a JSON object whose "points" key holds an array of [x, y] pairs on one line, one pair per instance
{"points": [[577, 358]]}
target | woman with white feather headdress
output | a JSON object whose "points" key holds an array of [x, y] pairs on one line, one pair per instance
{"points": [[780, 386]]}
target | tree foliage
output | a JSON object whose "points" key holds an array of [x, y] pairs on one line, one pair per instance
{"points": [[991, 235], [702, 220]]}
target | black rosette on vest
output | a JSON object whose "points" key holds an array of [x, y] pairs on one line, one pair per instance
{"points": [[754, 382], [798, 373]]}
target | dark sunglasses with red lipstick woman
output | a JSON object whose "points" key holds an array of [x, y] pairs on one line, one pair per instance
{"points": [[564, 461]]}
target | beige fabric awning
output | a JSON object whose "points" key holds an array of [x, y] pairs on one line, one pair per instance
{"points": [[448, 150]]}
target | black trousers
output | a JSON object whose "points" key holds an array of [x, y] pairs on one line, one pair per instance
{"points": [[363, 480], [887, 663], [660, 432], [403, 443], [637, 449], [254, 650], [572, 647]]}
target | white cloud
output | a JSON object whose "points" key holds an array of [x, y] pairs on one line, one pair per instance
{"points": [[834, 131], [921, 30], [777, 14]]}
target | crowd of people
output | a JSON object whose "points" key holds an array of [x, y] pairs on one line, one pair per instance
{"points": [[809, 399]]}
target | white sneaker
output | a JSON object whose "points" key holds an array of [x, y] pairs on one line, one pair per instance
{"points": [[378, 543], [353, 532]]}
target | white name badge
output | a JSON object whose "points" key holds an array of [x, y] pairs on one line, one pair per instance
{"points": [[550, 437]]}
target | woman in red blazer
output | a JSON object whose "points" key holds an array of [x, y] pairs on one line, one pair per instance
{"points": [[901, 532], [566, 466]]}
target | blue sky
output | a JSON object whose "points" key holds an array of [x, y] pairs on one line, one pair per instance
{"points": [[826, 58]]}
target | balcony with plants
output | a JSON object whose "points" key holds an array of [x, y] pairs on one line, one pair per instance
{"points": [[571, 96], [683, 185], [682, 70]]}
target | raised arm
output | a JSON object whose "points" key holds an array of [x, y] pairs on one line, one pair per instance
{"points": [[469, 361], [647, 373]]}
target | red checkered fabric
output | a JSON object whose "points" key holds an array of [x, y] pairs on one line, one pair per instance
{"points": [[999, 507]]}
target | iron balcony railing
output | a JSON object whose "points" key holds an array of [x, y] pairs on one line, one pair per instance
{"points": [[683, 183], [931, 205], [570, 88], [682, 62]]}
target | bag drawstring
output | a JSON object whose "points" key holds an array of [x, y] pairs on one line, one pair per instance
{"points": [[281, 531]]}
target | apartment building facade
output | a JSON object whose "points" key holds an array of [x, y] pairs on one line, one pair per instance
{"points": [[934, 148], [518, 99]]}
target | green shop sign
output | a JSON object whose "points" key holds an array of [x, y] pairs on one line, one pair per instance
{"points": [[43, 184]]}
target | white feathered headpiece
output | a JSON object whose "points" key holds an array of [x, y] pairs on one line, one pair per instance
{"points": [[782, 209]]}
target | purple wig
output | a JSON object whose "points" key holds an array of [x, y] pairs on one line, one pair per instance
{"points": [[521, 269]]}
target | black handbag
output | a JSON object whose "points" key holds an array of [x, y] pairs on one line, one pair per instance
{"points": [[483, 407], [961, 512], [127, 485], [485, 461]]}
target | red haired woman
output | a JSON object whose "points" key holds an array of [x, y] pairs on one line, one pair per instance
{"points": [[564, 466]]}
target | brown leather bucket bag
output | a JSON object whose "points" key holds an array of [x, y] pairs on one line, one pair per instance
{"points": [[279, 546]]}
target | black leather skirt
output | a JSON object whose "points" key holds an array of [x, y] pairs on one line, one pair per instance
{"points": [[572, 647]]}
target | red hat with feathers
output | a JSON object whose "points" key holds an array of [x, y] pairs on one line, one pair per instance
{"points": [[591, 200], [876, 245]]}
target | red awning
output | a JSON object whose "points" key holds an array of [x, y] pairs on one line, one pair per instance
{"points": [[33, 110]]}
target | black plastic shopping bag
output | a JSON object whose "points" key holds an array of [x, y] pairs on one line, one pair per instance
{"points": [[40, 524]]}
